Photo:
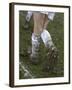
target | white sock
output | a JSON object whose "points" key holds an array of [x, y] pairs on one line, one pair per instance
{"points": [[46, 37], [51, 15], [35, 44], [28, 16]]}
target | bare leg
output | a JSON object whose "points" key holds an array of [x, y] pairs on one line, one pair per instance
{"points": [[40, 24], [38, 29]]}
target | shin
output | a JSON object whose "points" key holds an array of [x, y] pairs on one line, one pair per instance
{"points": [[46, 37]]}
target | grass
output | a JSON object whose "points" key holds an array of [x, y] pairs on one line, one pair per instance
{"points": [[56, 29]]}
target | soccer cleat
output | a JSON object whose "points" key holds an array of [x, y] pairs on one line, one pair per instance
{"points": [[34, 59], [52, 60], [26, 25], [29, 51], [52, 53]]}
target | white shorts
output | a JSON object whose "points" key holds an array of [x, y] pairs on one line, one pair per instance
{"points": [[49, 14]]}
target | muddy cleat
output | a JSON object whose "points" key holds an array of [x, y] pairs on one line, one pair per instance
{"points": [[34, 59], [52, 60], [52, 54], [29, 51], [26, 25]]}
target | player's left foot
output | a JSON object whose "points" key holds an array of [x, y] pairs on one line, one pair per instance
{"points": [[52, 60], [52, 54], [34, 58]]}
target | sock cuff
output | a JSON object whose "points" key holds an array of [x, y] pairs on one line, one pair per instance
{"points": [[45, 35], [35, 37]]}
